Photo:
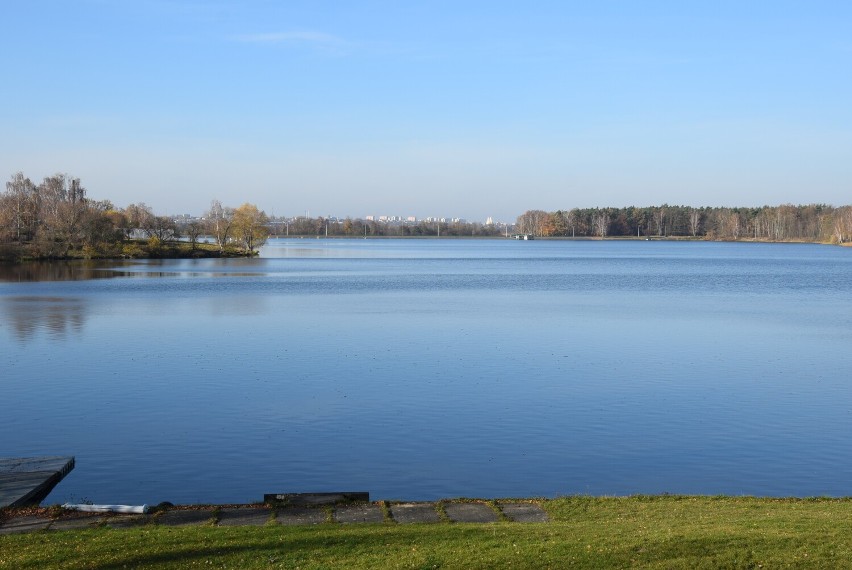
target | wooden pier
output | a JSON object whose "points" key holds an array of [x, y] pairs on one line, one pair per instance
{"points": [[28, 480]]}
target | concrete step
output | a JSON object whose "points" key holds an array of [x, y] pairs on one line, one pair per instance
{"points": [[349, 513]]}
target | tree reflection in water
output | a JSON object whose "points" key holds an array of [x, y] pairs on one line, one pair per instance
{"points": [[59, 316], [58, 270]]}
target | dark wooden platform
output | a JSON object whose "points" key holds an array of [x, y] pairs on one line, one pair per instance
{"points": [[28, 480]]}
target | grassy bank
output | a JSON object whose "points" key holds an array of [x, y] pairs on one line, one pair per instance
{"points": [[128, 249], [584, 532]]}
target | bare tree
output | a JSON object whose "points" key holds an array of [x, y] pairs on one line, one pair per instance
{"points": [[23, 207], [138, 217], [192, 230], [601, 223], [219, 222], [694, 221], [163, 228], [661, 218], [733, 224], [64, 211], [842, 227], [571, 221], [532, 222]]}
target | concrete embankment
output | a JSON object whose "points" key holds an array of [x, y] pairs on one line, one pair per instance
{"points": [[441, 512]]}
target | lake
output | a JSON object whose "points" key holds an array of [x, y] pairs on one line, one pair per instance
{"points": [[426, 369]]}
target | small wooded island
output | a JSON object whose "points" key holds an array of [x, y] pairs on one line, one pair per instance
{"points": [[56, 220]]}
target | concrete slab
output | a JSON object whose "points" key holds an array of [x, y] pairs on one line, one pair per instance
{"points": [[348, 514], [524, 512], [407, 513], [24, 524], [244, 517], [76, 521], [299, 515], [470, 513], [126, 521], [184, 518]]}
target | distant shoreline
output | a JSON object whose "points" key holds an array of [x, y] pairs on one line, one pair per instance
{"points": [[136, 249]]}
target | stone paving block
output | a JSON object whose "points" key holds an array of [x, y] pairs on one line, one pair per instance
{"points": [[524, 512], [470, 513], [124, 521], [77, 521], [406, 513], [299, 515], [24, 524], [184, 518], [244, 517], [358, 514]]}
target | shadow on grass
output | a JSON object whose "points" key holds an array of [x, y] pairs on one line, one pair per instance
{"points": [[417, 546]]}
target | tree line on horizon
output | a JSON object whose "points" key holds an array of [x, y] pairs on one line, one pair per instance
{"points": [[55, 220], [359, 227], [787, 222]]}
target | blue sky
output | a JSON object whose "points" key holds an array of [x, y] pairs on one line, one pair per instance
{"points": [[433, 108]]}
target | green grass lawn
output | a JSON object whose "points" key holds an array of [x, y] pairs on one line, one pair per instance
{"points": [[585, 532]]}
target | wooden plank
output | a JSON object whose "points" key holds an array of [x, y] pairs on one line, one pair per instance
{"points": [[28, 480], [29, 464]]}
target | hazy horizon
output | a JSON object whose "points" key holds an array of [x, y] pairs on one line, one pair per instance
{"points": [[448, 109]]}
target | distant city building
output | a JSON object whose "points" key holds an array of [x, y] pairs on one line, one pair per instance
{"points": [[489, 221]]}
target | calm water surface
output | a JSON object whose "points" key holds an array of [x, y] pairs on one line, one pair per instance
{"points": [[436, 368]]}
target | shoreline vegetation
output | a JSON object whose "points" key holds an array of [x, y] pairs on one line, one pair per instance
{"points": [[812, 223], [55, 220], [656, 531]]}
